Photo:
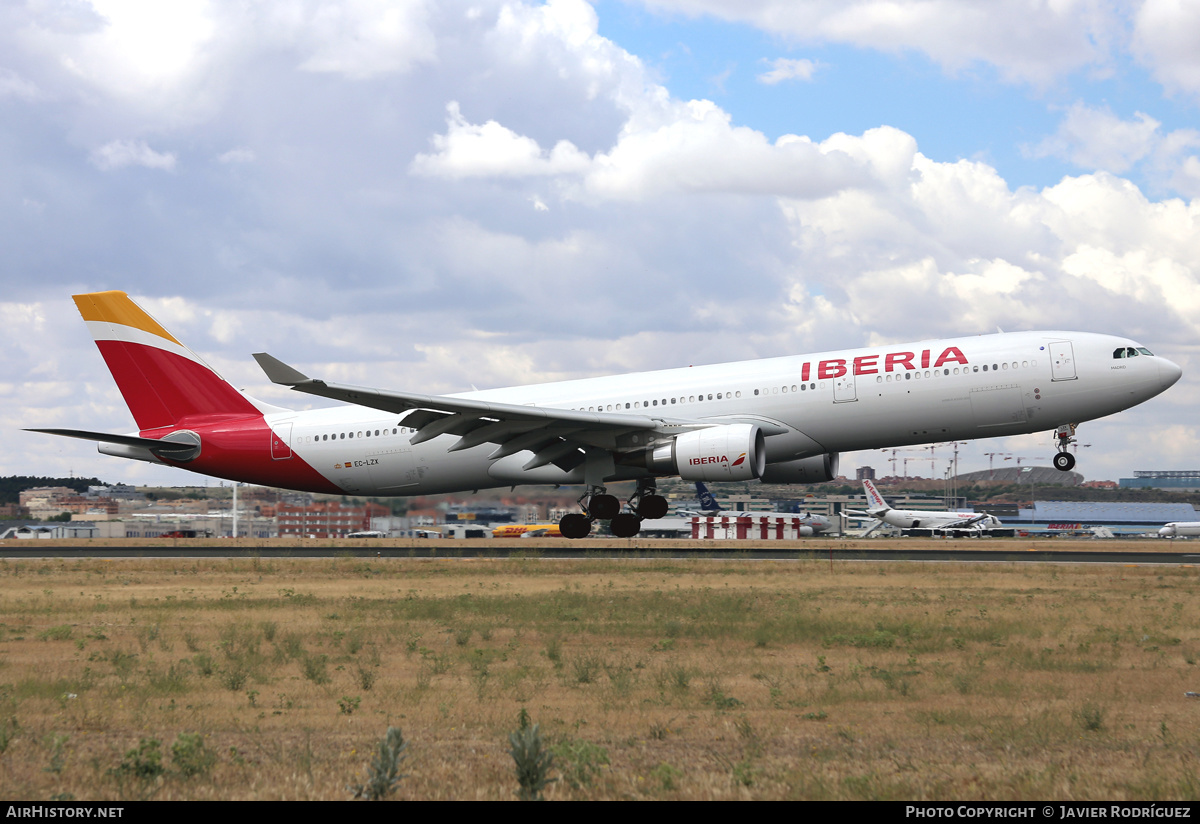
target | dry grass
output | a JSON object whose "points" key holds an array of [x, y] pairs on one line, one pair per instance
{"points": [[649, 678]]}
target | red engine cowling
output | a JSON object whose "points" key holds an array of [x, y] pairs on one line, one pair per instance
{"points": [[735, 452]]}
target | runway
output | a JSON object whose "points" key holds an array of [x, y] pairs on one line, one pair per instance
{"points": [[1061, 551]]}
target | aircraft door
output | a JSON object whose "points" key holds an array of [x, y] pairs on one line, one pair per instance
{"points": [[844, 388], [281, 441], [1062, 361]]}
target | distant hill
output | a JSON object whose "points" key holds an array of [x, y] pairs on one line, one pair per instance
{"points": [[11, 486]]}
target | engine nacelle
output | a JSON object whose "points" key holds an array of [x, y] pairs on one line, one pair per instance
{"points": [[735, 452], [815, 470]]}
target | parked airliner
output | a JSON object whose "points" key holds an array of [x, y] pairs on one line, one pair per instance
{"points": [[780, 420], [878, 509], [1180, 529]]}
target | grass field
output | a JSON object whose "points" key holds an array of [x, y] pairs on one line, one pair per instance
{"points": [[649, 679]]}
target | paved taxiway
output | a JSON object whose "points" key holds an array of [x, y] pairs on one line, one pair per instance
{"points": [[1084, 551]]}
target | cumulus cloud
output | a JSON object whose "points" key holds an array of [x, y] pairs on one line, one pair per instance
{"points": [[121, 153], [1094, 138], [1166, 37], [1027, 41], [468, 150], [783, 68], [362, 38], [700, 150]]}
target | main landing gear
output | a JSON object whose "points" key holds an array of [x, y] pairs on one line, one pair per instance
{"points": [[1064, 436], [597, 504]]}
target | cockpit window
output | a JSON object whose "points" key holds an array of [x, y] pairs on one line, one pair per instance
{"points": [[1119, 353], [1131, 352], [1145, 351]]}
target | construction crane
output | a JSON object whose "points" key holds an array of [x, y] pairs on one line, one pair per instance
{"points": [[991, 460]]}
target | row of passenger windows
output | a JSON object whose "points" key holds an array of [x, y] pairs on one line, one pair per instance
{"points": [[617, 407], [803, 387], [917, 375], [363, 433]]}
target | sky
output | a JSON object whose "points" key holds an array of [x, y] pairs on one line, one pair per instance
{"points": [[440, 196]]}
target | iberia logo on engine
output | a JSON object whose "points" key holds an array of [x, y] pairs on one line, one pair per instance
{"points": [[714, 459]]}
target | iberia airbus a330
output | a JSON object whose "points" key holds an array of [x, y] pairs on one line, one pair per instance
{"points": [[780, 420]]}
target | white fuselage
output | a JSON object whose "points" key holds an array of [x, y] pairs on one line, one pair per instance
{"points": [[922, 519], [809, 405], [1181, 529]]}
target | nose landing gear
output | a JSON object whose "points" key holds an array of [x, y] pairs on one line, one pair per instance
{"points": [[1064, 436]]}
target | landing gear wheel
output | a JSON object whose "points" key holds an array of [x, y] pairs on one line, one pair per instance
{"points": [[604, 507], [1064, 461], [652, 507], [625, 525], [575, 526]]}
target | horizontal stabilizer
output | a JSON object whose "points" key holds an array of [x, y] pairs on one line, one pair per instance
{"points": [[169, 449]]}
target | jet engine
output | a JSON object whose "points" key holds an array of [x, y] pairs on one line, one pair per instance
{"points": [[814, 470], [735, 452]]}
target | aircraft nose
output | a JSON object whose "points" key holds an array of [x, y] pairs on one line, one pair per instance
{"points": [[1168, 372], [1166, 532]]}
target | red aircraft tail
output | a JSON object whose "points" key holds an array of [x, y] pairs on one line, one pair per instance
{"points": [[164, 383]]}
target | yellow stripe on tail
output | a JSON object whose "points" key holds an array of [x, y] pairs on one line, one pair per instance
{"points": [[116, 307]]}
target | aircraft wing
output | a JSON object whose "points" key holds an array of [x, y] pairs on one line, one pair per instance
{"points": [[874, 527], [551, 434], [965, 522]]}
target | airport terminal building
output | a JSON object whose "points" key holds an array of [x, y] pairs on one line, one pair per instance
{"points": [[1080, 516], [1176, 480]]}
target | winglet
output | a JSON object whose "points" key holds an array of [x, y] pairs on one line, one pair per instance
{"points": [[278, 371]]}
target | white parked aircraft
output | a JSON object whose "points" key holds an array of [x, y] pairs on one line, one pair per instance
{"points": [[1180, 529], [878, 509], [781, 420]]}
